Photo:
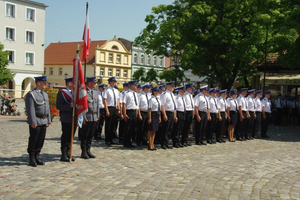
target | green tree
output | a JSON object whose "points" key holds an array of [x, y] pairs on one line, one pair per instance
{"points": [[151, 75], [5, 74], [139, 75], [219, 39], [170, 75]]}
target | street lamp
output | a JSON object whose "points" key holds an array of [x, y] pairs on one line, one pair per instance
{"points": [[66, 75], [176, 57]]}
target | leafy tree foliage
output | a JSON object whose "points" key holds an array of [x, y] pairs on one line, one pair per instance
{"points": [[139, 75], [151, 75], [219, 38], [5, 74], [170, 75]]}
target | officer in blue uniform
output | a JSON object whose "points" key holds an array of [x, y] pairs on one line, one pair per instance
{"points": [[100, 122], [266, 115], [38, 113], [189, 114], [64, 100], [90, 119]]}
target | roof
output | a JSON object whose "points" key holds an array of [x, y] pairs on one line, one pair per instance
{"points": [[63, 53], [34, 2]]}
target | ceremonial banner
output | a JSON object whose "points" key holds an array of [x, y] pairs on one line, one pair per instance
{"points": [[86, 37]]}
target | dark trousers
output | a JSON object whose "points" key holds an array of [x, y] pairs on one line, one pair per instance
{"points": [[99, 124], [265, 124], [256, 124], [241, 125], [249, 125], [279, 114], [65, 140], [220, 127], [166, 127], [177, 128], [36, 139], [142, 129], [201, 127], [129, 127], [211, 126], [87, 131], [110, 124], [121, 130], [186, 127]]}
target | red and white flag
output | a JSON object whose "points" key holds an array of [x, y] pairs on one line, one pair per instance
{"points": [[86, 38], [80, 95]]}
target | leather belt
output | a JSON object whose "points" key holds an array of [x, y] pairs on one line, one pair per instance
{"points": [[42, 117], [130, 110], [158, 112], [202, 110], [95, 112]]}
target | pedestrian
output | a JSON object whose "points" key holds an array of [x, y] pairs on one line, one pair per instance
{"points": [[278, 109], [100, 122], [221, 123], [154, 117], [64, 103], [232, 113], [89, 119], [168, 109], [266, 115], [189, 114], [294, 111], [258, 110], [2, 98], [215, 117], [121, 124], [202, 115], [112, 109], [142, 125], [38, 115], [251, 110], [130, 111], [242, 115]]}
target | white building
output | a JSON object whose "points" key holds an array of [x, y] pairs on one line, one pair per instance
{"points": [[23, 34]]}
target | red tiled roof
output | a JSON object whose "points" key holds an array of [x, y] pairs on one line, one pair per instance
{"points": [[63, 53]]}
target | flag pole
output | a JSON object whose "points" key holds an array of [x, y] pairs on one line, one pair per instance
{"points": [[74, 101], [86, 10]]}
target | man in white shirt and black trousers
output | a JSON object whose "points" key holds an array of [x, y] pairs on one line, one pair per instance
{"points": [[121, 124], [189, 114], [169, 115], [100, 122], [258, 109], [252, 113], [221, 123], [130, 112], [243, 114], [266, 115]]}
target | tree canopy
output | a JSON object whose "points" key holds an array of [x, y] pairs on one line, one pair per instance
{"points": [[5, 74], [219, 39]]}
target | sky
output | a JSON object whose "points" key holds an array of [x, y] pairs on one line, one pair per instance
{"points": [[65, 19]]}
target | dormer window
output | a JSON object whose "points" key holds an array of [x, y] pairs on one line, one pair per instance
{"points": [[115, 47]]}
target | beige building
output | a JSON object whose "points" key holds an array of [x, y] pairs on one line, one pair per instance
{"points": [[23, 35], [106, 59]]}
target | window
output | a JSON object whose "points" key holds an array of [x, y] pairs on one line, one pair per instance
{"points": [[29, 37], [142, 59], [11, 56], [60, 71], [161, 62], [118, 73], [10, 10], [115, 47], [148, 60], [30, 14], [51, 71], [45, 71], [109, 73], [135, 58], [110, 58], [125, 74], [10, 34], [118, 58], [29, 58], [101, 72], [154, 60]]}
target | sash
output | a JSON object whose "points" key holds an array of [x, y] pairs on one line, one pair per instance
{"points": [[67, 95]]}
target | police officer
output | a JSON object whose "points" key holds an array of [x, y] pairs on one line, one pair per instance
{"points": [[242, 115], [38, 113], [64, 100], [279, 109], [112, 109], [100, 122], [266, 115], [168, 110], [215, 116], [189, 114], [144, 98], [202, 115], [258, 110], [90, 119], [130, 111], [232, 113], [252, 114], [221, 123], [121, 124]]}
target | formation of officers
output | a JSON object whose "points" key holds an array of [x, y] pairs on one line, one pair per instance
{"points": [[148, 115]]}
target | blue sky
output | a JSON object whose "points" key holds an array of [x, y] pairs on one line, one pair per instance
{"points": [[124, 18]]}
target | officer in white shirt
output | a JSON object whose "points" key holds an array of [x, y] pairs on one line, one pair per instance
{"points": [[100, 122], [258, 109], [221, 123], [243, 114], [294, 111], [121, 124], [111, 103], [202, 115], [266, 115], [278, 109], [251, 111], [169, 115], [144, 98], [189, 114], [130, 111]]}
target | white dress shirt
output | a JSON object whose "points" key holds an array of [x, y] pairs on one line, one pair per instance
{"points": [[189, 101], [278, 103], [131, 100], [100, 100], [168, 100], [222, 104], [112, 96], [154, 104], [232, 103], [251, 104], [201, 102], [144, 101], [180, 103], [242, 102], [258, 107], [213, 102], [266, 103]]}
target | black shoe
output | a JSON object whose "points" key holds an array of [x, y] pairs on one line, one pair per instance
{"points": [[38, 160], [175, 146], [169, 147], [223, 141], [32, 162], [112, 142], [64, 156], [90, 154], [184, 145], [239, 139], [188, 144], [265, 136], [163, 146], [209, 142], [220, 141], [84, 155], [108, 143], [203, 143]]}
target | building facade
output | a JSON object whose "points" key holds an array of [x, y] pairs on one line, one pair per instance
{"points": [[23, 35]]}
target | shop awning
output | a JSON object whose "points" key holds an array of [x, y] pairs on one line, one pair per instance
{"points": [[284, 79]]}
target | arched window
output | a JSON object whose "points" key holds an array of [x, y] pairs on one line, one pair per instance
{"points": [[115, 47], [142, 59], [161, 61], [148, 60], [154, 60], [135, 58]]}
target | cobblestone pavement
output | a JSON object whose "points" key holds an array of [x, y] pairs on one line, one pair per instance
{"points": [[256, 169]]}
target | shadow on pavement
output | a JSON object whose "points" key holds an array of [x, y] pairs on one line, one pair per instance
{"points": [[14, 161]]}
